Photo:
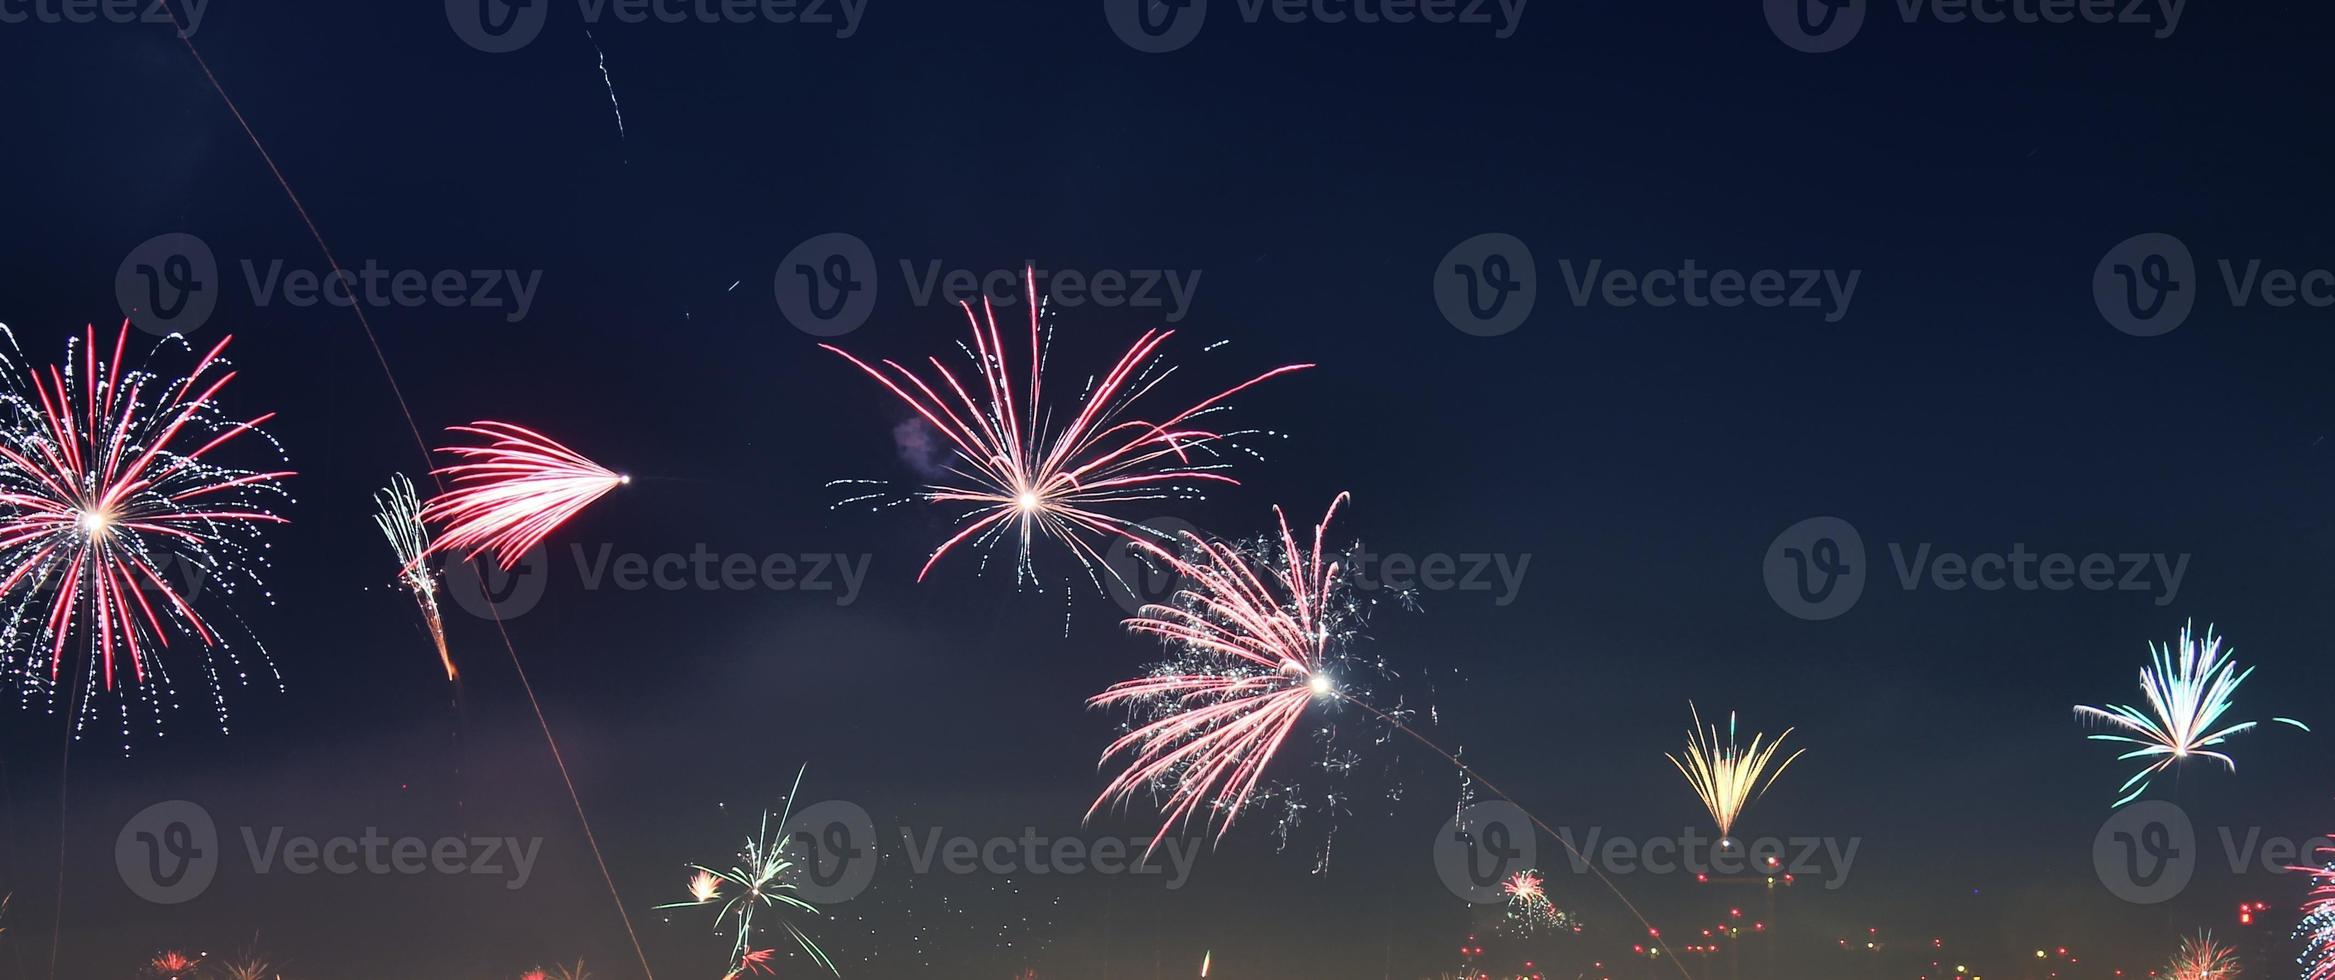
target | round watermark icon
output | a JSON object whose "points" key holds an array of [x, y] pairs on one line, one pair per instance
{"points": [[1815, 569], [2146, 285], [1480, 846], [1485, 285], [826, 286], [168, 284], [487, 590], [1156, 26], [1135, 576], [836, 843], [168, 853], [2146, 853], [497, 26], [1815, 26]]}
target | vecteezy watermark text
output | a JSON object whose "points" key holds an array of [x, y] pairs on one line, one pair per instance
{"points": [[1818, 26], [2148, 284], [1160, 26], [2148, 853], [170, 853], [1482, 845], [828, 285], [171, 283], [500, 26], [107, 11], [1488, 284], [490, 591], [1816, 569]]}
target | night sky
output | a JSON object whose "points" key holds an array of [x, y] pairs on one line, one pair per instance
{"points": [[1971, 395]]}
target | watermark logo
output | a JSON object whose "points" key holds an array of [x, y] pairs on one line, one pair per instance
{"points": [[1480, 846], [2146, 285], [487, 590], [826, 286], [503, 26], [1137, 577], [2146, 853], [1818, 26], [2149, 283], [1692, 286], [1485, 285], [1815, 569], [497, 26], [1815, 26], [168, 284], [168, 853], [109, 11], [1156, 26], [835, 841]]}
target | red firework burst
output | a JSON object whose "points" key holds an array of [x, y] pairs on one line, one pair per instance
{"points": [[511, 493], [1023, 476], [1255, 635], [109, 489]]}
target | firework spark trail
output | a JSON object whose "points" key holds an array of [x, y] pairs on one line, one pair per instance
{"points": [[2188, 693], [1023, 478], [400, 519], [106, 482], [1727, 778], [2200, 958], [609, 82], [2317, 929], [765, 882], [1257, 636], [508, 495], [396, 391]]}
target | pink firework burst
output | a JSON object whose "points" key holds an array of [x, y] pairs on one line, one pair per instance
{"points": [[1019, 475], [111, 496], [1255, 634], [2317, 930], [511, 493]]}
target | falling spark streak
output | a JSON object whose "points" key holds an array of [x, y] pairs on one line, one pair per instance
{"points": [[512, 493], [108, 490], [609, 82], [2200, 958], [766, 880], [1725, 777], [1256, 634], [2188, 693], [1024, 478], [400, 519]]}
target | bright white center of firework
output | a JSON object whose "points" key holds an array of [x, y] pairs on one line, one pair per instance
{"points": [[93, 522], [1319, 683], [1027, 501]]}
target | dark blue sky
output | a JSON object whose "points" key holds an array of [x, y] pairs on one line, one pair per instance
{"points": [[1972, 396]]}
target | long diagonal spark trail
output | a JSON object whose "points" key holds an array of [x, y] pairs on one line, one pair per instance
{"points": [[423, 446]]}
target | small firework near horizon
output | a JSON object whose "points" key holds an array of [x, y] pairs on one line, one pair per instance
{"points": [[110, 488], [1727, 778]]}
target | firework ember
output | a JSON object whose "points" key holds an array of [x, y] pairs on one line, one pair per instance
{"points": [[110, 488], [511, 493], [1021, 476], [400, 519]]}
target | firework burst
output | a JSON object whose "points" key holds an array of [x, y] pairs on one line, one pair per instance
{"points": [[1019, 476], [1255, 632], [2188, 690], [765, 880], [2317, 930], [2200, 958], [1530, 911], [1725, 777], [400, 519], [511, 493], [109, 490]]}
